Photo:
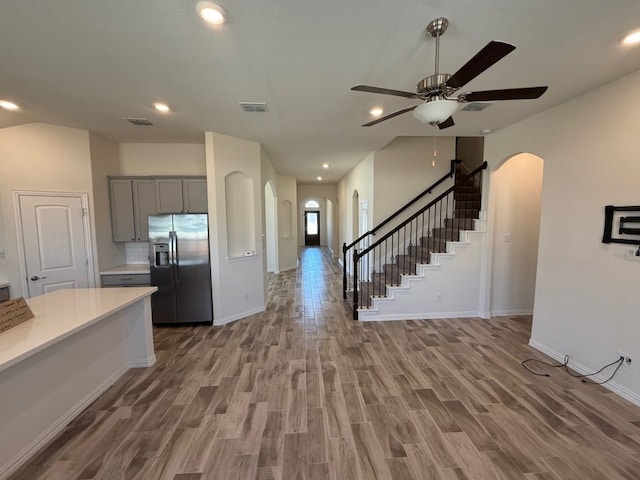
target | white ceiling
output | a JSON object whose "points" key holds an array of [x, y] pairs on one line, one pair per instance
{"points": [[89, 63]]}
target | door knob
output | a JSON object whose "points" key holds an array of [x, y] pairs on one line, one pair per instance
{"points": [[35, 277]]}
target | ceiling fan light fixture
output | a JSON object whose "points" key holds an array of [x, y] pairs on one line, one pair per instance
{"points": [[7, 105], [376, 111], [632, 38], [211, 12], [435, 110]]}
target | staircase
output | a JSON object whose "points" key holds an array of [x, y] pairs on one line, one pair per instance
{"points": [[418, 246]]}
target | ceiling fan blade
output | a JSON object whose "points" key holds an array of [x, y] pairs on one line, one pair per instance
{"points": [[506, 94], [383, 91], [446, 124], [489, 55], [387, 117]]}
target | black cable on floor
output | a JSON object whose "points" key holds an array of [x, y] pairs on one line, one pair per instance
{"points": [[565, 364], [524, 365]]}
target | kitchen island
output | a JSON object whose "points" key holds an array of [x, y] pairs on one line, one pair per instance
{"points": [[54, 365]]}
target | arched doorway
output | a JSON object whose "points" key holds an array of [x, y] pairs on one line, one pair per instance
{"points": [[355, 215], [311, 223], [515, 204], [271, 227]]}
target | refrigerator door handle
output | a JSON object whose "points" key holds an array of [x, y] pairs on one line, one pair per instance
{"points": [[176, 255], [172, 256]]}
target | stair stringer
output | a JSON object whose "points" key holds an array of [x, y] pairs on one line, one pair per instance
{"points": [[455, 276]]}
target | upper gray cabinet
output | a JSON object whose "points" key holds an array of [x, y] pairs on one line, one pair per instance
{"points": [[133, 199], [181, 195], [194, 195], [169, 195], [121, 198], [144, 204]]}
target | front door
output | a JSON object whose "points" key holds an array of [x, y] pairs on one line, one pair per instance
{"points": [[312, 228], [55, 247]]}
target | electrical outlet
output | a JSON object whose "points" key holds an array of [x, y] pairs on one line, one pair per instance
{"points": [[246, 296], [628, 360], [438, 297]]}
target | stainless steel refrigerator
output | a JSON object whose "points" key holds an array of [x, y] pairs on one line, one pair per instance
{"points": [[180, 268]]}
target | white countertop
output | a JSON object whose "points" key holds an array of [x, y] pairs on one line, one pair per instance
{"points": [[131, 269], [62, 313], [4, 284]]}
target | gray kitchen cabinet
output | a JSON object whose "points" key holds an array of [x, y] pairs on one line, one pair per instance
{"points": [[122, 217], [132, 201], [144, 204], [169, 195], [181, 195], [130, 280], [194, 195]]}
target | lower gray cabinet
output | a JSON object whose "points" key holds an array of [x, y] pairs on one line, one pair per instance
{"points": [[131, 280]]}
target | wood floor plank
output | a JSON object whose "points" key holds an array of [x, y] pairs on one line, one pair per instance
{"points": [[303, 391], [295, 463]]}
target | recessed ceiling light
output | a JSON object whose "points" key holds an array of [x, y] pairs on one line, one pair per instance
{"points": [[319, 178], [485, 131], [211, 12], [162, 107], [325, 165], [7, 105], [376, 111], [632, 38]]}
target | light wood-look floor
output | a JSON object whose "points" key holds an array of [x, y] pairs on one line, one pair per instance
{"points": [[303, 392]]}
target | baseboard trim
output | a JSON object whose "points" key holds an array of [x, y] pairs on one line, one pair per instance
{"points": [[507, 313], [45, 437], [414, 316], [238, 316], [143, 363], [624, 392]]}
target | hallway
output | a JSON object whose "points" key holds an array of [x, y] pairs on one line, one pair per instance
{"points": [[304, 392]]}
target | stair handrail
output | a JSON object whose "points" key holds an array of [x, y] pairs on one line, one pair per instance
{"points": [[346, 248], [483, 166]]}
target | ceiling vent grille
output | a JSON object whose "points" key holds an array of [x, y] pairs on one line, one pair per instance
{"points": [[253, 107], [475, 106], [139, 122]]}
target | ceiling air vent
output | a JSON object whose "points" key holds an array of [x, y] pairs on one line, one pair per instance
{"points": [[475, 106], [253, 107], [139, 122]]}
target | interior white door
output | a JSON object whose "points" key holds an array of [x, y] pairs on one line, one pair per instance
{"points": [[53, 236]]}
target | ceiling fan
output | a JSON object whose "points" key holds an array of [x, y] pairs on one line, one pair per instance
{"points": [[436, 90]]}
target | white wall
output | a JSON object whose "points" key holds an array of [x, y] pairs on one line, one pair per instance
{"points": [[287, 223], [403, 170], [516, 189], [162, 159], [586, 299], [238, 284], [39, 157], [360, 179], [104, 161], [331, 221]]}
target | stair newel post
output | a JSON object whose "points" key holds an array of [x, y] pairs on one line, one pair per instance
{"points": [[355, 284], [344, 271]]}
